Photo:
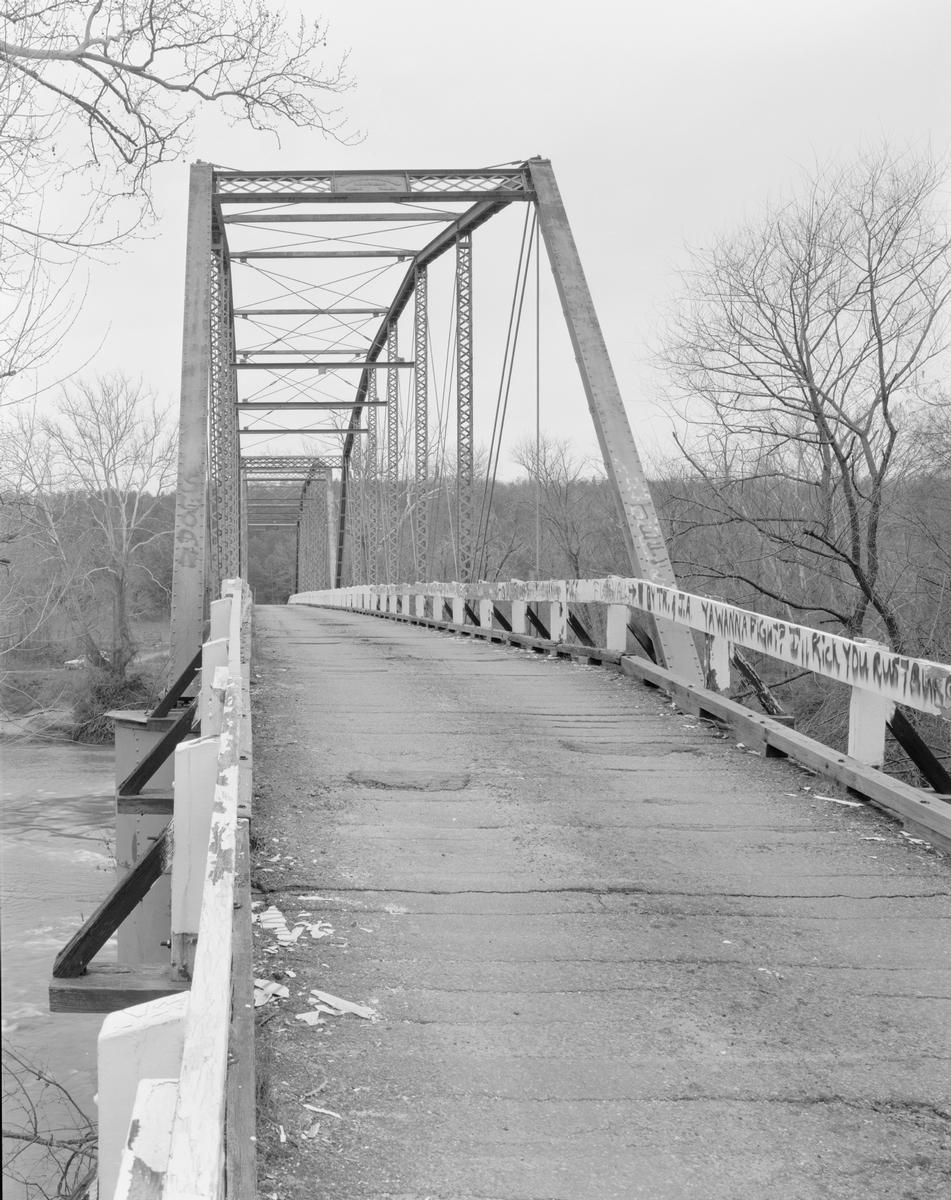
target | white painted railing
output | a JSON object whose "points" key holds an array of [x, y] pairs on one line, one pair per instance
{"points": [[878, 678], [163, 1065]]}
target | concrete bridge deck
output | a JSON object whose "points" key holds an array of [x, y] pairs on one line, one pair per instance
{"points": [[612, 954]]}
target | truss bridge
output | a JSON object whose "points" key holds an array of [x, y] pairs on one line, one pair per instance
{"points": [[520, 898]]}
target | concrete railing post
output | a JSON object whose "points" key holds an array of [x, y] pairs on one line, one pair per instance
{"points": [[458, 610], [485, 614]]}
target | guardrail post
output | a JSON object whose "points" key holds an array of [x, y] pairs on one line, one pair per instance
{"points": [[213, 655], [142, 1042], [868, 714], [196, 768], [616, 636], [519, 619], [458, 610], [420, 604], [485, 614], [219, 619], [557, 622], [721, 654]]}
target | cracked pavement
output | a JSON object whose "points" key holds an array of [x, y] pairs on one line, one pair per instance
{"points": [[612, 953]]}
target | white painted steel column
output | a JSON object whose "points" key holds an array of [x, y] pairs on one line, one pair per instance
{"points": [[141, 934]]}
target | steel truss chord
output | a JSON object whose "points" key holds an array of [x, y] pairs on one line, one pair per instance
{"points": [[464, 449], [392, 459], [421, 416]]}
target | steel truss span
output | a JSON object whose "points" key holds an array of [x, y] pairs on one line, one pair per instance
{"points": [[296, 285]]}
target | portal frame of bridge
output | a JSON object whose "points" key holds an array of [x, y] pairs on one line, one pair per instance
{"points": [[213, 499]]}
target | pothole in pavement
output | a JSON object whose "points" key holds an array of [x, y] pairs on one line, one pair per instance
{"points": [[416, 781]]}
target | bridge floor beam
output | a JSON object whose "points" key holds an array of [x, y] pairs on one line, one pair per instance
{"points": [[609, 952]]}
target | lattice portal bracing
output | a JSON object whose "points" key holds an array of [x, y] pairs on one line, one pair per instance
{"points": [[296, 283]]}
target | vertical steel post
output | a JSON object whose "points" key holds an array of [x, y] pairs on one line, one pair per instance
{"points": [[222, 425], [243, 526], [330, 525], [188, 565], [371, 486], [392, 457], [421, 415], [303, 583], [645, 539], [464, 454]]}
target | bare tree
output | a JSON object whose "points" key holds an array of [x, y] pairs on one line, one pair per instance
{"points": [[83, 508], [798, 356], [49, 1142], [579, 521], [94, 94]]}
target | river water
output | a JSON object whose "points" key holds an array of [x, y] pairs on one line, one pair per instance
{"points": [[57, 828]]}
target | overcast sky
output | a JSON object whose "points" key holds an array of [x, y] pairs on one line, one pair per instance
{"points": [[665, 123]]}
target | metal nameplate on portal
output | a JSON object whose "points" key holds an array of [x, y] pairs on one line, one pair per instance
{"points": [[367, 181]]}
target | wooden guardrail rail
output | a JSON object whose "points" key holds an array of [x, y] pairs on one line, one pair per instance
{"points": [[176, 1074], [542, 614]]}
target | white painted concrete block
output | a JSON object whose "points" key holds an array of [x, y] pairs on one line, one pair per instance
{"points": [[141, 1042]]}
